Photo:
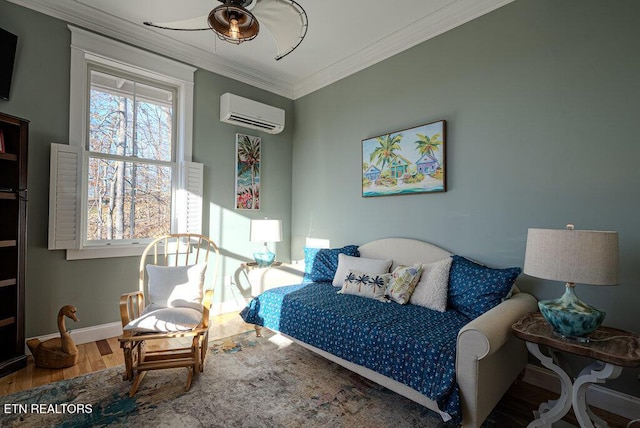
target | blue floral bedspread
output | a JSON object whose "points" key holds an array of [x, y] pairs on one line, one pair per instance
{"points": [[410, 344]]}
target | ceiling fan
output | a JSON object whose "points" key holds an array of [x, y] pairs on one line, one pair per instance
{"points": [[237, 21]]}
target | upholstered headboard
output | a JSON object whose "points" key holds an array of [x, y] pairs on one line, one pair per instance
{"points": [[403, 251]]}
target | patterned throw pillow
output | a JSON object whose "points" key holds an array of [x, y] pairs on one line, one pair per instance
{"points": [[361, 264], [403, 281], [474, 288], [431, 291], [371, 285], [320, 264]]}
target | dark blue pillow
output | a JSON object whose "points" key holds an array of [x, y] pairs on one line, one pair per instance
{"points": [[474, 289], [320, 264]]}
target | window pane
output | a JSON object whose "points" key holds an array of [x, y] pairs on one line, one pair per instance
{"points": [[129, 118], [127, 200], [154, 125]]}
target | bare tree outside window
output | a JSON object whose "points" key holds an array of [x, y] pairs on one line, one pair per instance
{"points": [[130, 159]]}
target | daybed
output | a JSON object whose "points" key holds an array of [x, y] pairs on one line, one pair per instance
{"points": [[446, 361]]}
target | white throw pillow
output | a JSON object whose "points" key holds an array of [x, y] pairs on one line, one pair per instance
{"points": [[347, 263], [165, 320], [372, 286], [176, 286], [431, 291]]}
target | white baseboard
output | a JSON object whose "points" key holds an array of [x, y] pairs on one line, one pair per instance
{"points": [[114, 329], [615, 402], [86, 334]]}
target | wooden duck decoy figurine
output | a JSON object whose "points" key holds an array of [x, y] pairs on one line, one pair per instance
{"points": [[59, 352]]}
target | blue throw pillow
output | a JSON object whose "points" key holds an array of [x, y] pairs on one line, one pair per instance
{"points": [[474, 289], [320, 264]]}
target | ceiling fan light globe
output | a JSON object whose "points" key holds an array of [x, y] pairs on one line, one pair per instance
{"points": [[233, 24]]}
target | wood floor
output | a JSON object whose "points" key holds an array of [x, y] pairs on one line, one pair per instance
{"points": [[100, 355], [519, 401]]}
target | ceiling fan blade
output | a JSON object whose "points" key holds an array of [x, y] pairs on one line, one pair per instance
{"points": [[193, 24], [286, 20]]}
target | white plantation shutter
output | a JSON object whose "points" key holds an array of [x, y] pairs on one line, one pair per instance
{"points": [[190, 217], [64, 197]]}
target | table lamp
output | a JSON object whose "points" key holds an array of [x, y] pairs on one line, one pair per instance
{"points": [[265, 230], [572, 256]]}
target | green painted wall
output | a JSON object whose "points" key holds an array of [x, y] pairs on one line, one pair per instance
{"points": [[541, 100], [40, 93], [215, 147]]}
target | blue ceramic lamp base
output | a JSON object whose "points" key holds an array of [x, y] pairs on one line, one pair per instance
{"points": [[571, 317]]}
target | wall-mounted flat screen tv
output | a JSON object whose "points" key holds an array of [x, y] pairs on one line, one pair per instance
{"points": [[8, 43]]}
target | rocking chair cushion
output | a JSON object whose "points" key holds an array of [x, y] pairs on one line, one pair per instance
{"points": [[165, 320], [176, 286]]}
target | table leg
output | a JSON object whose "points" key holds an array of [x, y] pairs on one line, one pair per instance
{"points": [[554, 410], [597, 372]]}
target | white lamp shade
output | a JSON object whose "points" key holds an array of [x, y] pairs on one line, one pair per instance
{"points": [[577, 256], [266, 230]]}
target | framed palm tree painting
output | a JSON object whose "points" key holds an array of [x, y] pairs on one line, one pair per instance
{"points": [[405, 162], [247, 172]]}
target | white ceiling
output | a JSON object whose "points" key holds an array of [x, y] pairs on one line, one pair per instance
{"points": [[343, 36]]}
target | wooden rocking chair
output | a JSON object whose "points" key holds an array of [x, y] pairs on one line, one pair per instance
{"points": [[175, 309]]}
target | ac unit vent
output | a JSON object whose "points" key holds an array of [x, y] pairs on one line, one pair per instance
{"points": [[251, 114], [252, 122]]}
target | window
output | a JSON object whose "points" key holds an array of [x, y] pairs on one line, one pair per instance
{"points": [[130, 151], [126, 175]]}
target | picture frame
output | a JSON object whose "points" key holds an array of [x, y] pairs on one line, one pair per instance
{"points": [[406, 162], [248, 164]]}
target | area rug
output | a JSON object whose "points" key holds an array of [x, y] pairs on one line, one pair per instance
{"points": [[247, 382]]}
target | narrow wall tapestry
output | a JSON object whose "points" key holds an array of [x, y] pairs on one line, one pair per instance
{"points": [[405, 162], [247, 172]]}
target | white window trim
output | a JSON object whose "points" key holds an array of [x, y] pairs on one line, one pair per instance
{"points": [[88, 48]]}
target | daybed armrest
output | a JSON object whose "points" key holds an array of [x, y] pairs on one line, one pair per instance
{"points": [[487, 333], [489, 357]]}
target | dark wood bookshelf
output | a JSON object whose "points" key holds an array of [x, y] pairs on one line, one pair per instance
{"points": [[8, 282], [7, 195], [13, 233]]}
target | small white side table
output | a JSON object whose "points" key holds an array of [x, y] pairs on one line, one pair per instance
{"points": [[278, 274], [612, 349]]}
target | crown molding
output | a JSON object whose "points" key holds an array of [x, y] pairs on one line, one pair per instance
{"points": [[450, 16], [444, 19], [89, 18]]}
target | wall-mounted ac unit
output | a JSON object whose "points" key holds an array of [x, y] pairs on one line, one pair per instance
{"points": [[251, 114]]}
